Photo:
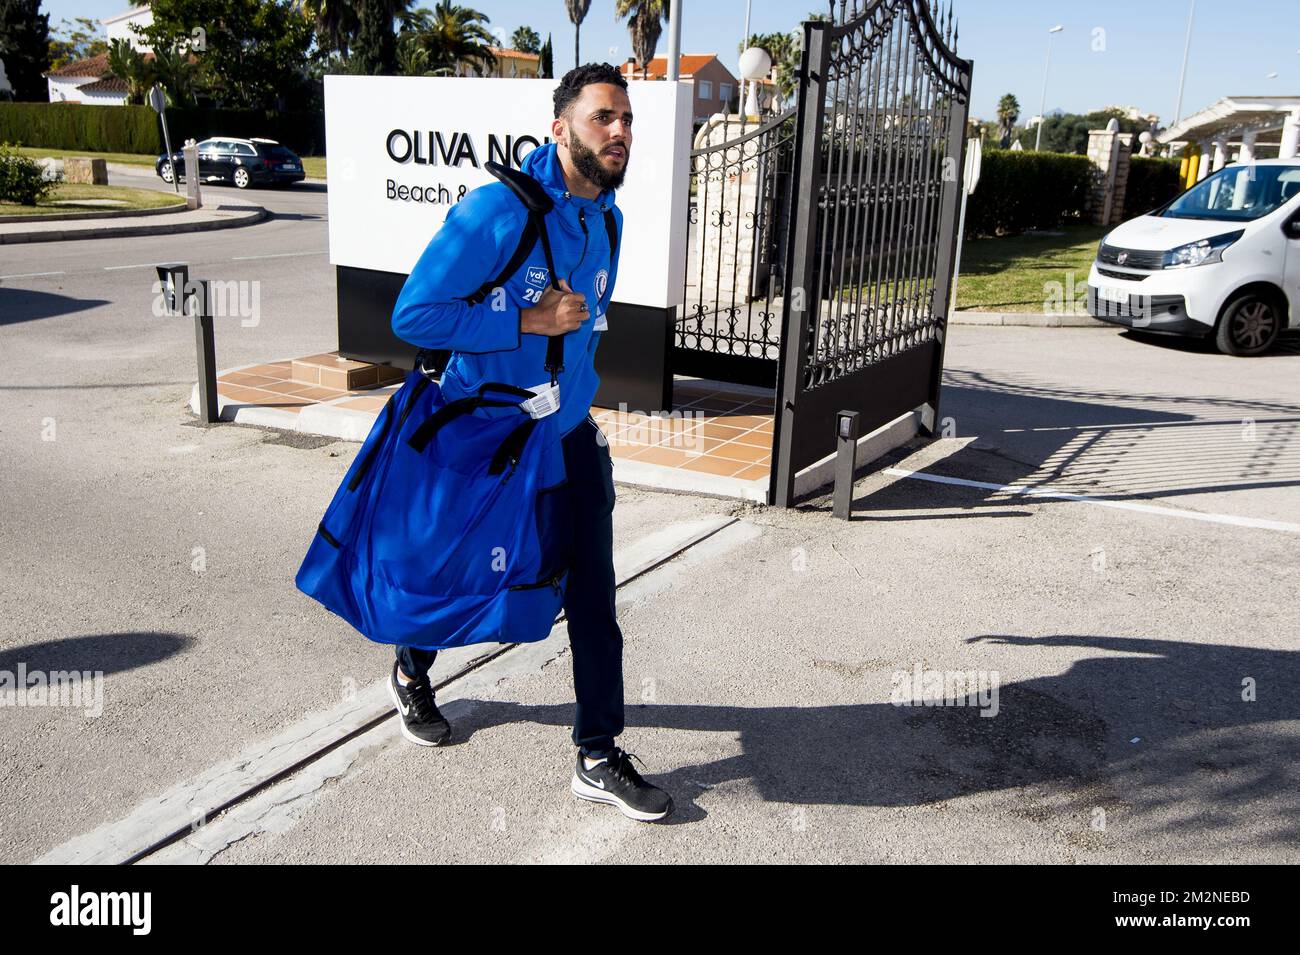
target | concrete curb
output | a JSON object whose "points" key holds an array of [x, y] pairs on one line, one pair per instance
{"points": [[254, 214], [106, 214], [130, 169], [1029, 319]]}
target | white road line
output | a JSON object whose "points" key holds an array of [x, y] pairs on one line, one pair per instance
{"points": [[28, 275], [275, 255], [1126, 425], [1084, 499], [143, 265]]}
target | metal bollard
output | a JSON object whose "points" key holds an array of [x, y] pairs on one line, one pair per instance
{"points": [[182, 298], [846, 447]]}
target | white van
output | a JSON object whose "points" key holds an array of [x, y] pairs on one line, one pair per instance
{"points": [[1222, 259]]}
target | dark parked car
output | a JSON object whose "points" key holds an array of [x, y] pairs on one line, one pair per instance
{"points": [[244, 162]]}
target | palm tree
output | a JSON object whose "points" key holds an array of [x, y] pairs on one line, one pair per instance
{"points": [[336, 23], [526, 40], [1008, 113], [178, 73], [645, 19], [451, 35], [129, 65], [412, 57], [577, 13]]}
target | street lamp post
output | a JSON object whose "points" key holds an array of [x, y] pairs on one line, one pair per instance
{"points": [[744, 45], [1182, 76], [1042, 110]]}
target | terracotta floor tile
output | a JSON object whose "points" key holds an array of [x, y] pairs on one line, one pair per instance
{"points": [[754, 472], [742, 421], [759, 439], [739, 452], [625, 450], [712, 465], [286, 387], [316, 393], [240, 378], [363, 404], [712, 406], [239, 393], [270, 371], [667, 457], [710, 429], [257, 396]]}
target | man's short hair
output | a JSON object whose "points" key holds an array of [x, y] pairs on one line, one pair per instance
{"points": [[571, 85]]}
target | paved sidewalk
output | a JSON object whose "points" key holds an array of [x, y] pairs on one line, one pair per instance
{"points": [[223, 213]]}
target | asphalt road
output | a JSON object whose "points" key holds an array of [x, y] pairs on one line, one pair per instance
{"points": [[1126, 623]]}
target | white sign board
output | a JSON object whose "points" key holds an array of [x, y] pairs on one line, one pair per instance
{"points": [[974, 162], [403, 149]]}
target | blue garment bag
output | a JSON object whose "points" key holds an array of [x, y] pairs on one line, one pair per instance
{"points": [[451, 526]]}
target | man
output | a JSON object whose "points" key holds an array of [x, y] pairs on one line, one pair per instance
{"points": [[504, 338]]}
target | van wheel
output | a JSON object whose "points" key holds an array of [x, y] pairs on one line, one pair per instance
{"points": [[241, 178], [1249, 326]]}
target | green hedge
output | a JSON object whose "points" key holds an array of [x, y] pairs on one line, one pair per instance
{"points": [[1151, 183], [109, 129], [135, 129], [1028, 190]]}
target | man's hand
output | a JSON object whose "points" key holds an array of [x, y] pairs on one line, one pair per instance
{"points": [[558, 313]]}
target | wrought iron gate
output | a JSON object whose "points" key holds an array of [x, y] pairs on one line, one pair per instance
{"points": [[880, 145], [821, 243], [728, 327]]}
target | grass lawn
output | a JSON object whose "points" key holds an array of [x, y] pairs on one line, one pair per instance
{"points": [[126, 199], [134, 159], [313, 166], [1011, 273]]}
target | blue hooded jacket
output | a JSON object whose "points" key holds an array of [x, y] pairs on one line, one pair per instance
{"points": [[474, 244]]}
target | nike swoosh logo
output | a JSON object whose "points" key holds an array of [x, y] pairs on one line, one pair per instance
{"points": [[402, 707], [598, 785]]}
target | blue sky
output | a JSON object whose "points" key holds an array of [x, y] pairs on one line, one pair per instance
{"points": [[1234, 45]]}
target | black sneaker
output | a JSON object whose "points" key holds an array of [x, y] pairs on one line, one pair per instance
{"points": [[617, 782], [421, 721]]}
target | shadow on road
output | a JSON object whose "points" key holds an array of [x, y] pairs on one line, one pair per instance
{"points": [[1103, 443], [26, 305], [104, 652], [1145, 726]]}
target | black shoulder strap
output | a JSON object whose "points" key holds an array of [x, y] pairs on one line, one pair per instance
{"points": [[528, 189], [611, 230], [538, 203], [527, 239]]}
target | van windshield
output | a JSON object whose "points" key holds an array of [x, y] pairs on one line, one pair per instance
{"points": [[1237, 193]]}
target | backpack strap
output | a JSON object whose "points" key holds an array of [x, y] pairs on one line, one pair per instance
{"points": [[611, 230]]}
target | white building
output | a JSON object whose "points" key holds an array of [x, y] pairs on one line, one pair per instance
{"points": [[88, 81], [1240, 129], [119, 26]]}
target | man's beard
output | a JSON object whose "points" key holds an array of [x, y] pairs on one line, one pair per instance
{"points": [[588, 163]]}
